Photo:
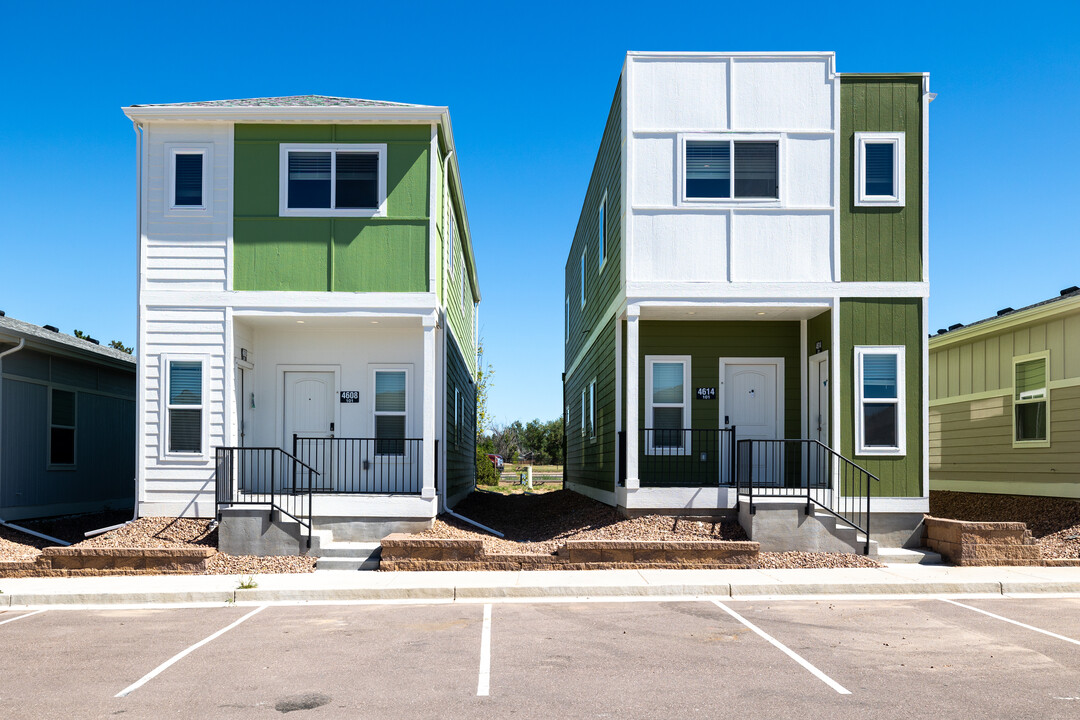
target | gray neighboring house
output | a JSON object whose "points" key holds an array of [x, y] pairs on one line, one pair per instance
{"points": [[67, 424]]}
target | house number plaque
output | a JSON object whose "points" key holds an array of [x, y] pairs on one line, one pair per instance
{"points": [[350, 396], [704, 393]]}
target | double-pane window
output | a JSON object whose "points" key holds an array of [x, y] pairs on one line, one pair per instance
{"points": [[390, 412], [1030, 400], [668, 404], [185, 406], [725, 169], [62, 423], [880, 400], [325, 180], [879, 169]]}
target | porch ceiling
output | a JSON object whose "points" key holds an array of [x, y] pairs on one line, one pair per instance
{"points": [[310, 321], [728, 311]]}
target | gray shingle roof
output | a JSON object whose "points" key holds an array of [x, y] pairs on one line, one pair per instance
{"points": [[1069, 292], [11, 327], [287, 101]]}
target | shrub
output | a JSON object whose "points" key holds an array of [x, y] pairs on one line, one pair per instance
{"points": [[486, 474]]}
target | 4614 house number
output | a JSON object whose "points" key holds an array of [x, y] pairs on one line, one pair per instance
{"points": [[704, 393]]}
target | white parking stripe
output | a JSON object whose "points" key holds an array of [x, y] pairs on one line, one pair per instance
{"points": [[484, 683], [1014, 622], [786, 650], [165, 665], [5, 622]]}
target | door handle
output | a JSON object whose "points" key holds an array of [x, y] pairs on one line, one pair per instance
{"points": [[726, 420]]}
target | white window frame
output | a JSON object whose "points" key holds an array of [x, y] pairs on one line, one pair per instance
{"points": [[73, 465], [451, 239], [375, 370], [334, 148], [680, 171], [1019, 360], [900, 449], [584, 410], [592, 411], [582, 279], [601, 235], [204, 435], [171, 151], [567, 339], [650, 448], [464, 287], [896, 139], [457, 415]]}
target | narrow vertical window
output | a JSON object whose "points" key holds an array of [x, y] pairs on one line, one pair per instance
{"points": [[879, 416], [390, 412], [457, 415], [567, 317], [583, 279], [602, 238], [62, 423], [584, 412], [185, 406], [879, 169], [668, 403], [1030, 402], [188, 179], [592, 410], [452, 240]]}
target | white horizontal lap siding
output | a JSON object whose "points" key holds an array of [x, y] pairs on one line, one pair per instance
{"points": [[187, 253], [189, 332], [790, 99]]}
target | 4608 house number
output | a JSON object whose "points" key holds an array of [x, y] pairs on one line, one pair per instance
{"points": [[350, 396]]}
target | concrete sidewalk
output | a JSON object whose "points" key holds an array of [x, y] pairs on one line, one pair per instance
{"points": [[329, 586]]}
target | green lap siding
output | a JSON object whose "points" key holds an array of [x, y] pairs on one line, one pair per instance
{"points": [[331, 254], [881, 243], [460, 435], [706, 343], [884, 321], [591, 462]]}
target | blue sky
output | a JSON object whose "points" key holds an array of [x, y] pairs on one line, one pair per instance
{"points": [[529, 88]]}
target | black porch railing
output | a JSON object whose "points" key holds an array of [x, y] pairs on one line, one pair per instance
{"points": [[686, 458], [805, 470], [364, 465], [264, 476]]}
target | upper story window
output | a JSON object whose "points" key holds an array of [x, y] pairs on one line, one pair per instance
{"points": [[332, 180], [879, 169], [188, 183], [602, 232], [879, 400], [62, 414], [567, 339], [1031, 401], [452, 235], [731, 169], [583, 279]]}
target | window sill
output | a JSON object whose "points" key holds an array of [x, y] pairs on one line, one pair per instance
{"points": [[883, 452], [1035, 444], [873, 202], [61, 468], [331, 213], [184, 458]]}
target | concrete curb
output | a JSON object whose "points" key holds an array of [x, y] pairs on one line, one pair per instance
{"points": [[538, 592]]}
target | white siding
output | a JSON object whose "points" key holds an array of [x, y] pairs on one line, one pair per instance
{"points": [[187, 253], [791, 98]]}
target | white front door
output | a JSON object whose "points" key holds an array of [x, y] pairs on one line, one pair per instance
{"points": [[818, 461], [309, 413], [754, 405]]}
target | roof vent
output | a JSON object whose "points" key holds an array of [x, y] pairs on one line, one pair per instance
{"points": [[2, 313], [90, 339], [942, 331], [50, 327], [957, 325], [1005, 311], [1070, 290]]}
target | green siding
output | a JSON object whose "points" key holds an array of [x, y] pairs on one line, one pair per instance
{"points": [[881, 243], [321, 254], [819, 330], [592, 462], [889, 321], [601, 286], [460, 454], [708, 341]]}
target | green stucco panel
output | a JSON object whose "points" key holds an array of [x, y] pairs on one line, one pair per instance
{"points": [[884, 321], [881, 243], [331, 254]]}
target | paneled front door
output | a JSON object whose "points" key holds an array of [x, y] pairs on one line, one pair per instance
{"points": [[754, 404], [309, 413]]}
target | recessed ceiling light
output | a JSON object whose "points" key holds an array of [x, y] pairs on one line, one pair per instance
{"points": [[692, 312], [374, 322], [761, 313], [299, 322]]}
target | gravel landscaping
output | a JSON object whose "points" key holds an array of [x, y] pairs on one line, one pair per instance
{"points": [[538, 524], [1053, 522]]}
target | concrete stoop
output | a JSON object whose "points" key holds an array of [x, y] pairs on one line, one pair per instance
{"points": [[252, 531], [908, 556], [787, 526]]}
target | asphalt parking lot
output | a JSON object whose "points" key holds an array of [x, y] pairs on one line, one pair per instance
{"points": [[885, 658]]}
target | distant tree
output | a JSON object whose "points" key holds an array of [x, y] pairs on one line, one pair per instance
{"points": [[483, 385], [117, 345], [554, 430], [486, 474], [81, 335]]}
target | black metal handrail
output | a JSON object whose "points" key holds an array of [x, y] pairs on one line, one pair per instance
{"points": [[264, 476], [686, 458], [364, 465], [810, 470]]}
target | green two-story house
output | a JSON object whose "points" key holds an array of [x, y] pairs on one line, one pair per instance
{"points": [[307, 318], [746, 298]]}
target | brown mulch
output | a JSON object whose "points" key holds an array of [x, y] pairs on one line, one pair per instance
{"points": [[1053, 522], [538, 524], [150, 532]]}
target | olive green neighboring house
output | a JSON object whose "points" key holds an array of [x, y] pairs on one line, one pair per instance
{"points": [[746, 292], [1005, 402]]}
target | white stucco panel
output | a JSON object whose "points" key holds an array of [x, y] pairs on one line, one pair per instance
{"points": [[680, 247], [770, 247], [679, 94], [808, 165], [781, 94], [654, 171]]}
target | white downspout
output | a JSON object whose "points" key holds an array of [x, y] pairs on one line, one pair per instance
{"points": [[12, 351], [453, 514], [21, 529]]}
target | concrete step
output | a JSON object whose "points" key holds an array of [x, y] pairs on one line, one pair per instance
{"points": [[349, 549], [347, 563], [912, 556]]}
